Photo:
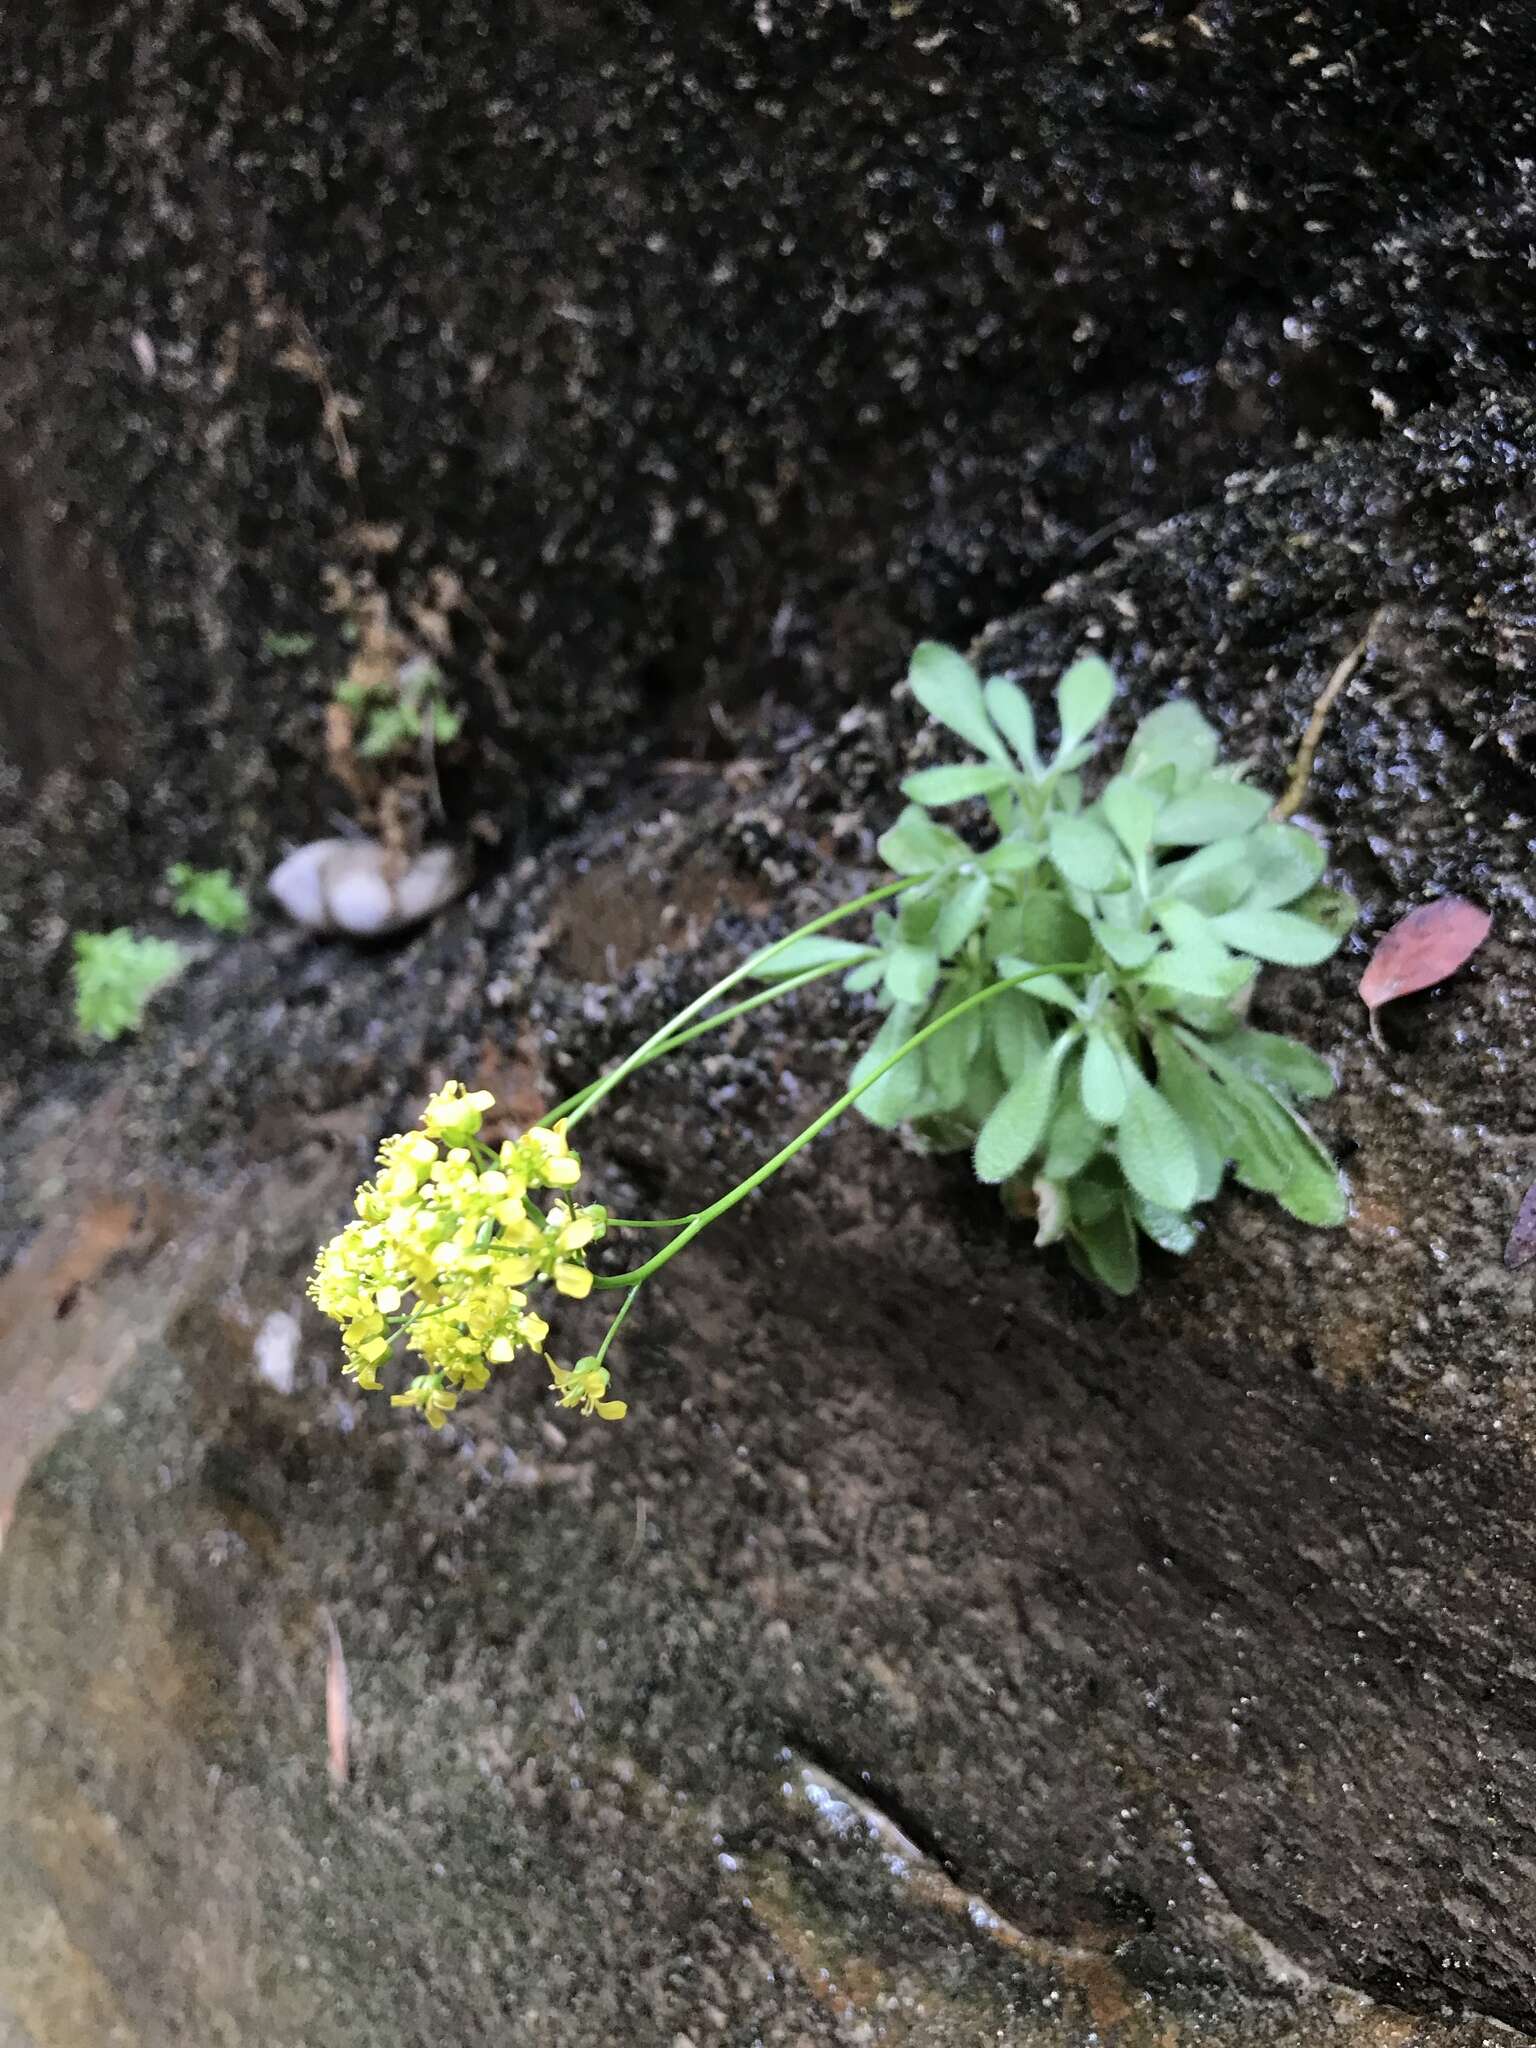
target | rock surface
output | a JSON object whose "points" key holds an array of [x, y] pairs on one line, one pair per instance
{"points": [[1190, 1636], [705, 358], [1194, 1638]]}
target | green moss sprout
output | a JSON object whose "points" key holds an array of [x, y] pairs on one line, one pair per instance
{"points": [[396, 714], [115, 974], [210, 894]]}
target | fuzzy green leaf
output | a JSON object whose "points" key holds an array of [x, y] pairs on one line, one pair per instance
{"points": [[1019, 1034], [1284, 862], [1045, 988], [1256, 1139], [895, 1095], [1195, 1095], [814, 950], [1334, 909], [1099, 1189], [948, 689], [916, 843], [1288, 1160], [935, 787], [1213, 809], [919, 911], [1012, 857], [963, 911], [1174, 735], [985, 1087], [1315, 1188], [1190, 973], [1132, 810], [1083, 695], [948, 1056], [1195, 936], [1108, 1248], [1215, 879], [1156, 1152], [1314, 1191], [1047, 928], [861, 979], [1074, 1136], [1105, 1085], [1014, 1129], [1278, 935], [287, 646], [1170, 1229], [1085, 853], [1126, 947], [1013, 715], [1279, 1063], [910, 972], [210, 894]]}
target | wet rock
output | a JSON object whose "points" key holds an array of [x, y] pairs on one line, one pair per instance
{"points": [[1189, 1639], [707, 358], [1187, 1636]]}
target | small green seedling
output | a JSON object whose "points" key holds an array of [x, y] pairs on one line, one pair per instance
{"points": [[287, 646], [115, 974], [396, 716], [211, 894], [1067, 996]]}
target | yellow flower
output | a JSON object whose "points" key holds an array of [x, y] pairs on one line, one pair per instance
{"points": [[454, 1114], [583, 1386], [572, 1279], [571, 1231], [428, 1394], [555, 1164], [444, 1241]]}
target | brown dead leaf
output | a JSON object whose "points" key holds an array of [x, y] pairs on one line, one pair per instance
{"points": [[1421, 949], [1522, 1239], [517, 1081]]}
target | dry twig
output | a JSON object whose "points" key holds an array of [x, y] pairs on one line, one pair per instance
{"points": [[1301, 768]]}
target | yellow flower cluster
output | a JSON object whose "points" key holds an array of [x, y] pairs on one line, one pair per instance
{"points": [[456, 1226]]}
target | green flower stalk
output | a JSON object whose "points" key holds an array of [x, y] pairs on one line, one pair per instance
{"points": [[1067, 999]]}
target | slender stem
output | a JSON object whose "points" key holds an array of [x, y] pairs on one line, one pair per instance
{"points": [[767, 995], [829, 1115], [613, 1328], [652, 1223], [576, 1106]]}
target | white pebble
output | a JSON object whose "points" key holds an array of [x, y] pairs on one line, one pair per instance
{"points": [[358, 886]]}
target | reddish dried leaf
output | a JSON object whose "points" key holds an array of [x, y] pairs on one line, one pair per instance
{"points": [[1423, 948], [1522, 1239]]}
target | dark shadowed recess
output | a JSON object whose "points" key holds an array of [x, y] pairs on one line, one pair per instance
{"points": [[717, 353]]}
